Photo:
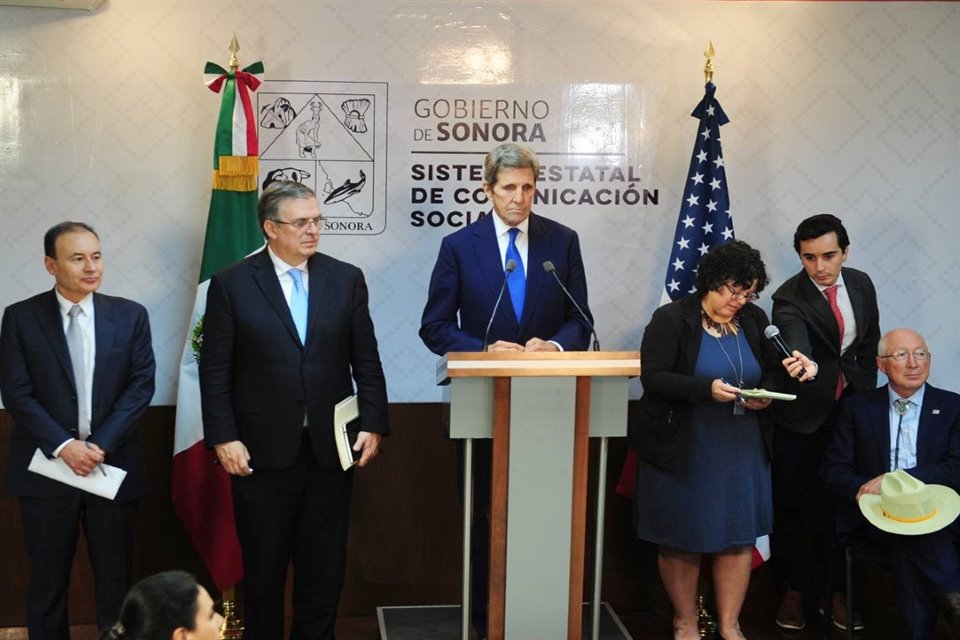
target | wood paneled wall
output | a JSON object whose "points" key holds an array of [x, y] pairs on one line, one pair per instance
{"points": [[405, 526]]}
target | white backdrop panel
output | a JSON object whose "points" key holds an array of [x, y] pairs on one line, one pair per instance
{"points": [[850, 108]]}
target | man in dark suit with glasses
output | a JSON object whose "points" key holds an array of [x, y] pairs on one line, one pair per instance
{"points": [[909, 425]]}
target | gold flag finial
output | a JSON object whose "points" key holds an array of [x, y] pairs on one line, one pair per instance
{"points": [[234, 47], [708, 68]]}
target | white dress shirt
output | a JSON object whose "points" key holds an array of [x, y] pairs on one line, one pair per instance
{"points": [[908, 427], [283, 274]]}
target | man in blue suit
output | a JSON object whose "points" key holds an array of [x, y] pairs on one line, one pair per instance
{"points": [[910, 425], [535, 316], [76, 374], [287, 334]]}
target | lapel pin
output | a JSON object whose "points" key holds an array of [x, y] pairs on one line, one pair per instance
{"points": [[936, 412]]}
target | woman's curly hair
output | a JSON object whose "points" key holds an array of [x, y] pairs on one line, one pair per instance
{"points": [[734, 261]]}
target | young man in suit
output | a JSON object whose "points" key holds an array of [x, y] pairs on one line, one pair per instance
{"points": [[76, 374], [534, 314], [910, 425], [287, 334], [827, 312]]}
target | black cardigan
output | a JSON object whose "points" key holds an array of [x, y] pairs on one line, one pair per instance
{"points": [[668, 355]]}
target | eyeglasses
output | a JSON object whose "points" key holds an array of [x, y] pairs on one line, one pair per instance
{"points": [[899, 356], [742, 295], [303, 223]]}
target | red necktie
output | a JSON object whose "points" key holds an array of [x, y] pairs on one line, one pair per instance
{"points": [[831, 293]]}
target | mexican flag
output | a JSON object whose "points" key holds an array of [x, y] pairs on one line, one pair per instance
{"points": [[201, 488]]}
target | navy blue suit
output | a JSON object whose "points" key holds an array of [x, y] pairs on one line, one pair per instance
{"points": [[469, 273], [463, 291], [926, 565], [38, 389], [258, 382]]}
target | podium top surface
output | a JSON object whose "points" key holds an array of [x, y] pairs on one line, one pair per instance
{"points": [[506, 364]]}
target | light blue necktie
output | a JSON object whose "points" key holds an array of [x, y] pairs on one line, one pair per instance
{"points": [[298, 304], [517, 279]]}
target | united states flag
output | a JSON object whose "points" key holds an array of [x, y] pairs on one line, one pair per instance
{"points": [[704, 218]]}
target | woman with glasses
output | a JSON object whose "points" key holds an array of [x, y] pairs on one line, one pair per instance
{"points": [[166, 606], [703, 477]]}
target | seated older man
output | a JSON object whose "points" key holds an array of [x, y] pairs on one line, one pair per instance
{"points": [[909, 425]]}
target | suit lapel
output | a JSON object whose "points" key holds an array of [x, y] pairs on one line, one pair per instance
{"points": [[265, 277], [824, 322], [927, 429], [51, 324], [319, 275], [856, 295], [487, 252], [104, 330], [879, 416], [538, 250]]}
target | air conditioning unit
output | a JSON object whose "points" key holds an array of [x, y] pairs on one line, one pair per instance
{"points": [[83, 5]]}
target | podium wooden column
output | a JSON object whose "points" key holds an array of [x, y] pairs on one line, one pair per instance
{"points": [[540, 409]]}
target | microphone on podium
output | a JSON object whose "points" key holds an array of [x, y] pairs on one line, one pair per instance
{"points": [[511, 265], [552, 270]]}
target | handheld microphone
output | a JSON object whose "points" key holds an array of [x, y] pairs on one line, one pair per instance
{"points": [[773, 333], [511, 265], [552, 270]]}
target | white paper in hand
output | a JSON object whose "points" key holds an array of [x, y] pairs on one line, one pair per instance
{"points": [[103, 483]]}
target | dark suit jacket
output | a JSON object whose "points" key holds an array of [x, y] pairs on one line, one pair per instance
{"points": [[257, 380], [668, 355], [807, 324], [860, 449], [36, 381], [469, 273]]}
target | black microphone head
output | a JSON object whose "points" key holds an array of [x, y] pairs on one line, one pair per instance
{"points": [[771, 331], [548, 267], [511, 265]]}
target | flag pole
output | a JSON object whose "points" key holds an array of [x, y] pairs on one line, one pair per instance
{"points": [[232, 628], [706, 625]]}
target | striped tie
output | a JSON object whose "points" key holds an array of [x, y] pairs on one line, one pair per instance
{"points": [[831, 293]]}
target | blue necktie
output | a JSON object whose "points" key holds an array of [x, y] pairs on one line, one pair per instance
{"points": [[298, 304], [517, 280]]}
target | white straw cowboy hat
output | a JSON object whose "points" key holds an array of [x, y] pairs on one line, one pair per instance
{"points": [[909, 507]]}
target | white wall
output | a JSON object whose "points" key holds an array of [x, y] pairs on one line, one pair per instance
{"points": [[849, 108]]}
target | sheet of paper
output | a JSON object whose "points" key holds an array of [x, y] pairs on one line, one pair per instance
{"points": [[104, 480], [763, 393]]}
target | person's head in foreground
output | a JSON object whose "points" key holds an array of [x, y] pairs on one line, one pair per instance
{"points": [[166, 606]]}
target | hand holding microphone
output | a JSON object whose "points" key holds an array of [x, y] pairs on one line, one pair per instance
{"points": [[798, 363]]}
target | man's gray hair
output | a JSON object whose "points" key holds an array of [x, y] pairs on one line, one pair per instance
{"points": [[509, 156], [272, 198]]}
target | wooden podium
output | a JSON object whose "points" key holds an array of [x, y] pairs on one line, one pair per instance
{"points": [[540, 409]]}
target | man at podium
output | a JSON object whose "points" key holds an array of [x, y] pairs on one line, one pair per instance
{"points": [[496, 287]]}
